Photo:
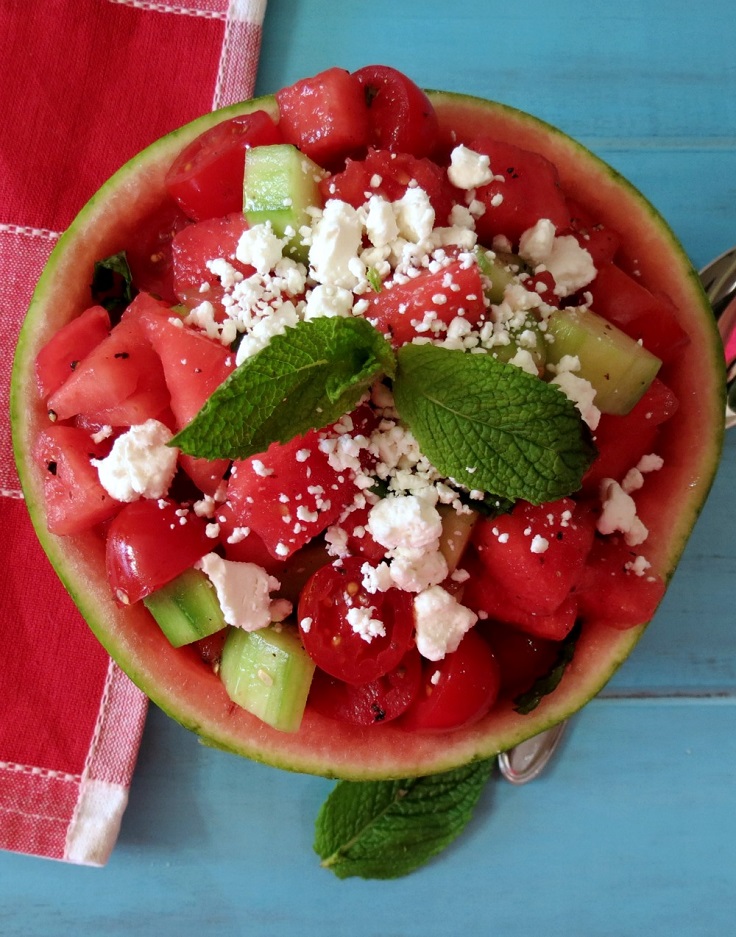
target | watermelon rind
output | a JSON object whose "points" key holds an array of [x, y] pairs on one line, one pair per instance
{"points": [[176, 679]]}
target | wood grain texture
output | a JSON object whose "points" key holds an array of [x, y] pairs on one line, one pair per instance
{"points": [[633, 830]]}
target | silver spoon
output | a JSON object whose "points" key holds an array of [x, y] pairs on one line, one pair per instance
{"points": [[527, 760]]}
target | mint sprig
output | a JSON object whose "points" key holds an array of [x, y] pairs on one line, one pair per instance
{"points": [[304, 379], [547, 683], [386, 829], [482, 422], [490, 425], [112, 283]]}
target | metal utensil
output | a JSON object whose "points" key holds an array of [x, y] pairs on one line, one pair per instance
{"points": [[527, 760], [719, 282]]}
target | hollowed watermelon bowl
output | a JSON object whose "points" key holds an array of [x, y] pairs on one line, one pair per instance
{"points": [[177, 680]]}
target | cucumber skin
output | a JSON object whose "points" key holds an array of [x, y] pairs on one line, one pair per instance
{"points": [[186, 609], [280, 185], [619, 369], [268, 673]]}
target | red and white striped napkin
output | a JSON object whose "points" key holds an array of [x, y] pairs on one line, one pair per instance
{"points": [[85, 85]]}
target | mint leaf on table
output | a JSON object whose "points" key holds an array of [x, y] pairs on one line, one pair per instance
{"points": [[112, 283], [386, 829], [490, 425], [304, 379], [548, 682]]}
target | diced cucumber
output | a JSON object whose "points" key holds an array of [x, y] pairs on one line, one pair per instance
{"points": [[186, 608], [619, 368], [269, 673], [456, 530], [527, 337], [280, 184], [499, 269]]}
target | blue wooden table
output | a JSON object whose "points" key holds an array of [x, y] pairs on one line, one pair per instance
{"points": [[633, 830]]}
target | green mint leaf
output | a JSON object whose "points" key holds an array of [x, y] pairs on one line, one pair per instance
{"points": [[386, 829], [491, 426], [112, 283], [304, 379], [546, 684]]}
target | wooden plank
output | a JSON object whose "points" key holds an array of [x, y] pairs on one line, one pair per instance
{"points": [[632, 831]]}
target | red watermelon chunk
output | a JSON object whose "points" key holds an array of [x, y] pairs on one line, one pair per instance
{"points": [[600, 241], [637, 311], [326, 116], [490, 601], [622, 440], [211, 240], [612, 591], [390, 175], [536, 553], [288, 494], [194, 365], [528, 188], [120, 381], [75, 500], [61, 356], [400, 309]]}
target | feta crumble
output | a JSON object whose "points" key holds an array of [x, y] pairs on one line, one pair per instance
{"points": [[441, 622], [243, 591], [140, 463]]}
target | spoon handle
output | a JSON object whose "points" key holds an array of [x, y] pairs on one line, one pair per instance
{"points": [[727, 328], [528, 759]]}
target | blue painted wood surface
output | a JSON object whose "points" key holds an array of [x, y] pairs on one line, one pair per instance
{"points": [[633, 830]]}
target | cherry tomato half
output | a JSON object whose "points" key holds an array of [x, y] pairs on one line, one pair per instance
{"points": [[457, 690], [149, 544], [331, 598], [374, 703], [206, 179], [401, 116]]}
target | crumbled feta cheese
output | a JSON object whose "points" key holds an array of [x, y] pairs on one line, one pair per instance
{"points": [[328, 300], [524, 360], [535, 244], [280, 609], [633, 481], [638, 566], [619, 514], [260, 469], [441, 622], [363, 623], [140, 463], [468, 169], [404, 522], [581, 393], [336, 540], [650, 463], [226, 273], [376, 578], [571, 265], [380, 222], [336, 241], [104, 432], [243, 591], [265, 328], [539, 544], [415, 570], [414, 215], [259, 247]]}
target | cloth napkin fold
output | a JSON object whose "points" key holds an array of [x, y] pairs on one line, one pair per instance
{"points": [[86, 84]]}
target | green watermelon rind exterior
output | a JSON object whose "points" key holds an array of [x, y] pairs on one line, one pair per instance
{"points": [[175, 679]]}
